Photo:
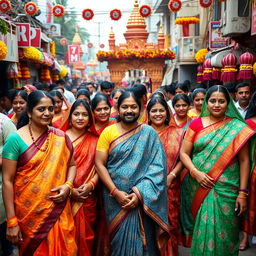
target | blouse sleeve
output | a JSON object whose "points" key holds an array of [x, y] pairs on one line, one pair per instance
{"points": [[14, 147], [104, 142], [192, 130]]}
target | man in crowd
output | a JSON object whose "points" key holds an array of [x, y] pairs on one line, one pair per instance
{"points": [[91, 88], [243, 95], [107, 87], [67, 94]]}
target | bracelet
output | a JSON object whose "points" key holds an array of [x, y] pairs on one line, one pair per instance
{"points": [[244, 190], [93, 184], [191, 172], [242, 197], [12, 222], [112, 191], [243, 193], [173, 174], [69, 184]]}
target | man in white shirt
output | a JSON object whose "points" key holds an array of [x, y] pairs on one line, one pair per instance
{"points": [[243, 95], [67, 94]]}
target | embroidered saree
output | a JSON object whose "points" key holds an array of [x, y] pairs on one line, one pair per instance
{"points": [[249, 224], [47, 227], [61, 120], [85, 212], [208, 215], [136, 163], [171, 137]]}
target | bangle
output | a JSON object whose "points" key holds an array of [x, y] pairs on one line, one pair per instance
{"points": [[244, 190], [112, 191], [173, 174], [69, 184], [192, 172], [243, 193], [242, 197], [12, 222], [93, 184]]}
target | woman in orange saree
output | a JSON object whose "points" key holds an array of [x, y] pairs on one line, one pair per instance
{"points": [[161, 119], [101, 111], [60, 119], [38, 173], [83, 196]]}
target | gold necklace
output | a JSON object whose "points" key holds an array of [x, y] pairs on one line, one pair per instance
{"points": [[34, 141]]}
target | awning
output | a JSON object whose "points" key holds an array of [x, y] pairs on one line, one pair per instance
{"points": [[217, 57]]}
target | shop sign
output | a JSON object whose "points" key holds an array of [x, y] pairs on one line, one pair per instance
{"points": [[73, 53], [35, 36], [253, 30], [216, 40], [11, 42], [24, 34]]}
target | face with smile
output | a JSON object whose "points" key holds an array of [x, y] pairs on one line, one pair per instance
{"points": [[198, 101], [129, 111], [80, 118], [158, 115], [19, 105], [181, 108], [102, 112], [217, 104], [58, 104], [42, 114]]}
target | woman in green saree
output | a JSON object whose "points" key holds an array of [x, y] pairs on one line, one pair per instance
{"points": [[214, 191]]}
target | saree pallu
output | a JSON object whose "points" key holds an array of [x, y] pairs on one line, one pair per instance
{"points": [[136, 163], [85, 212], [171, 137], [99, 131], [61, 121], [47, 227], [209, 214]]}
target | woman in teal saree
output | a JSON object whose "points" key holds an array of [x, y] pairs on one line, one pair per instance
{"points": [[215, 153]]}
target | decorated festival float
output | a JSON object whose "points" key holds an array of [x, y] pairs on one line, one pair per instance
{"points": [[137, 53]]}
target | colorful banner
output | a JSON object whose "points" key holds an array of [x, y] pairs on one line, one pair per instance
{"points": [[216, 40]]}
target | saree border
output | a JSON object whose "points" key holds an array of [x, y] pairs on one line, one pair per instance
{"points": [[217, 170]]}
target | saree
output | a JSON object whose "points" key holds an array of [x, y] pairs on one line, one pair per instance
{"points": [[136, 163], [249, 223], [208, 216], [171, 137], [47, 227], [99, 131], [85, 212], [61, 121]]}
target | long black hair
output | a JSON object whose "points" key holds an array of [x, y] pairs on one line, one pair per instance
{"points": [[98, 98], [20, 93], [33, 99], [84, 92], [161, 101], [251, 111], [180, 96], [87, 107], [56, 93]]}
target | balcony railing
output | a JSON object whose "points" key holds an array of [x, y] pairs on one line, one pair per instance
{"points": [[187, 47]]}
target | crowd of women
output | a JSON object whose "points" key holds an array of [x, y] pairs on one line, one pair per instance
{"points": [[53, 194]]}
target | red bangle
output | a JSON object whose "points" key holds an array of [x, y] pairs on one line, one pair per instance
{"points": [[112, 191], [12, 222], [93, 184]]}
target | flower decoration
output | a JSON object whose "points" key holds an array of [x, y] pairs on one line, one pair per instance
{"points": [[3, 50], [205, 3], [45, 74], [58, 10], [5, 6], [87, 14], [254, 68], [30, 8], [145, 11], [200, 55], [90, 45], [32, 53], [53, 48], [63, 71], [115, 14], [130, 54], [174, 5], [63, 41], [246, 66], [102, 46], [186, 20], [25, 72]]}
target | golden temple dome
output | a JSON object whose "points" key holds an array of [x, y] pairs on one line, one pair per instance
{"points": [[135, 18], [77, 39]]}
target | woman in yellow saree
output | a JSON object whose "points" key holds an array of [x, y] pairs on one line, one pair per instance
{"points": [[213, 196], [83, 196], [38, 173]]}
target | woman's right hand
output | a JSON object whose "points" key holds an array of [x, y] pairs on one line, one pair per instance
{"points": [[13, 234], [121, 197], [203, 179], [77, 195]]}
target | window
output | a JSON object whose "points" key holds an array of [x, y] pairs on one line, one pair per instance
{"points": [[217, 10], [243, 8]]}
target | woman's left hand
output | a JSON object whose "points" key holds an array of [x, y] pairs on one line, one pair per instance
{"points": [[63, 192], [134, 202], [85, 189], [241, 205]]}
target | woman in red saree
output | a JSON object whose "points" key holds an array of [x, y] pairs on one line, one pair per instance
{"points": [[181, 105], [38, 173], [162, 121], [83, 196], [60, 119], [101, 108]]}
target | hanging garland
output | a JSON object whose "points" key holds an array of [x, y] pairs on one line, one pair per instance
{"points": [[58, 10], [63, 41], [5, 6], [115, 14], [205, 3], [174, 5], [30, 8], [87, 14], [145, 11], [200, 55], [186, 20], [3, 50], [89, 45]]}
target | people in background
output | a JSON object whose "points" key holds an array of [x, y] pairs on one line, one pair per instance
{"points": [[197, 101], [243, 95]]}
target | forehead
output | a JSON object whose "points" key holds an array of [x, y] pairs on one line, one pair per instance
{"points": [[158, 105], [80, 108], [129, 101], [181, 101], [18, 97], [45, 101], [242, 89], [102, 104], [219, 95]]}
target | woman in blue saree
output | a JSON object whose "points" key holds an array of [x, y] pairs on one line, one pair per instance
{"points": [[131, 162]]}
